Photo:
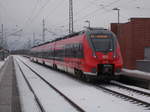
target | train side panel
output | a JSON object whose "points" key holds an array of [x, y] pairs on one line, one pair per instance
{"points": [[81, 55]]}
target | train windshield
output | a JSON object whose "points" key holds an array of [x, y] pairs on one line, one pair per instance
{"points": [[102, 43]]}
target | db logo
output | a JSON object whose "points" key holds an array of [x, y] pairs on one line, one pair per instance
{"points": [[105, 57]]}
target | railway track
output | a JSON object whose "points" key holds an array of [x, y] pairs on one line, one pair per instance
{"points": [[141, 92], [76, 106], [122, 92], [129, 94], [31, 89]]}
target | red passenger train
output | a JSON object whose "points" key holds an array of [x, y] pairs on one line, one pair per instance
{"points": [[94, 52]]}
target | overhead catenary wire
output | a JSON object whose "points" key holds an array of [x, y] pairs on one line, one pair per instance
{"points": [[76, 13], [32, 13], [93, 12], [103, 7], [35, 15], [32, 19], [40, 10], [55, 9], [96, 10], [104, 10]]}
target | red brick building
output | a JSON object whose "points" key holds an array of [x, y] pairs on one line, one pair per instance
{"points": [[134, 39]]}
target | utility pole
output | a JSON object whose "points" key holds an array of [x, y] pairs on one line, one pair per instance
{"points": [[43, 33], [118, 26], [5, 40], [2, 37], [29, 44], [2, 43], [33, 39], [70, 16]]}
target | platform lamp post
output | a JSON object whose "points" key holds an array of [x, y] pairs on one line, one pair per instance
{"points": [[118, 29], [89, 24]]}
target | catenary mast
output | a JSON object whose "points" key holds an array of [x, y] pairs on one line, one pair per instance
{"points": [[70, 16]]}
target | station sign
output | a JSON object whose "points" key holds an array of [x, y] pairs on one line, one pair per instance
{"points": [[99, 36]]}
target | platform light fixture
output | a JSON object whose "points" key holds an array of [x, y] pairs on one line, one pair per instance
{"points": [[118, 10], [118, 29]]}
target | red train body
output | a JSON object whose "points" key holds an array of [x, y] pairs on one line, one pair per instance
{"points": [[91, 53]]}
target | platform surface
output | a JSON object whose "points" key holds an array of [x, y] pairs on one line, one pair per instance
{"points": [[9, 97]]}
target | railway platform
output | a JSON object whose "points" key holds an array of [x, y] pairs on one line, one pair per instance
{"points": [[136, 77], [9, 97]]}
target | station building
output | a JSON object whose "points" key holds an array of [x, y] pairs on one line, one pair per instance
{"points": [[134, 39]]}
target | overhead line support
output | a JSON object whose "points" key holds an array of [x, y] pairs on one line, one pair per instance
{"points": [[70, 16]]}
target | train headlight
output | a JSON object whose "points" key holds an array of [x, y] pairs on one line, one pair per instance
{"points": [[116, 56], [94, 55]]}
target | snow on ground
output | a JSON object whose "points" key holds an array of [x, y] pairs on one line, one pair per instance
{"points": [[47, 96], [87, 96], [1, 63], [134, 87], [27, 99], [137, 73], [129, 93], [144, 60]]}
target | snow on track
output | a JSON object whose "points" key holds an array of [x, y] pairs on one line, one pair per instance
{"points": [[131, 86], [136, 73], [129, 93], [88, 97], [27, 100], [49, 99]]}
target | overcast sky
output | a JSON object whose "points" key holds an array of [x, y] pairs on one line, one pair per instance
{"points": [[28, 14]]}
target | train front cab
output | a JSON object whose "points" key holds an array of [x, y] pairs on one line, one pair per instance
{"points": [[102, 55]]}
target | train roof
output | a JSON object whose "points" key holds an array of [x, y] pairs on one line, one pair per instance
{"points": [[88, 29], [60, 38], [95, 28]]}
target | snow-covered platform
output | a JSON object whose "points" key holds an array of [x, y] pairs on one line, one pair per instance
{"points": [[1, 64], [136, 77], [137, 74], [9, 100]]}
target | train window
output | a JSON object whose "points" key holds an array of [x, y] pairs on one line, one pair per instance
{"points": [[51, 54], [45, 54], [80, 45], [80, 51], [73, 50], [102, 44]]}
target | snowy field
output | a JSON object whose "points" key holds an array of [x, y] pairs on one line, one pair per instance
{"points": [[88, 97]]}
